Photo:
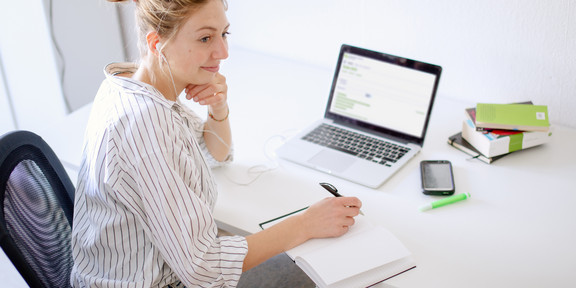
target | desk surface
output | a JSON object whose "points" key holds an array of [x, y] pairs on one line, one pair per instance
{"points": [[517, 230]]}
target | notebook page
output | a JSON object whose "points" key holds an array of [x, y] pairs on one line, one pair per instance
{"points": [[362, 252], [361, 224]]}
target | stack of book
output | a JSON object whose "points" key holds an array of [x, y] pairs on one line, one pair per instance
{"points": [[492, 131]]}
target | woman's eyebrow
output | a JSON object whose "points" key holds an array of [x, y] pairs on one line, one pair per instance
{"points": [[211, 28]]}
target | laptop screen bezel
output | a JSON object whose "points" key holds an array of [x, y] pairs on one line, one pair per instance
{"points": [[396, 60]]}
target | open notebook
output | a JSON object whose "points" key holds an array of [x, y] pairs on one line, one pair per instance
{"points": [[367, 254], [375, 120]]}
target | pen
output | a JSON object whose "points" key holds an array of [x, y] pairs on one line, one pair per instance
{"points": [[333, 191], [445, 201]]}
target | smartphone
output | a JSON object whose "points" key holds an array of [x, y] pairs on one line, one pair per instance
{"points": [[437, 177]]}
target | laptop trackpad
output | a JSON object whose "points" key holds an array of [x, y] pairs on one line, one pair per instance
{"points": [[331, 161]]}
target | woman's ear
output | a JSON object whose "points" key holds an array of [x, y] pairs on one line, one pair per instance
{"points": [[153, 42]]}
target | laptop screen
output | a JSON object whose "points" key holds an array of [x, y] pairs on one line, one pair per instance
{"points": [[384, 92]]}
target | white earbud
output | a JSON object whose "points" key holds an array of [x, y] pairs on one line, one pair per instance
{"points": [[158, 47]]}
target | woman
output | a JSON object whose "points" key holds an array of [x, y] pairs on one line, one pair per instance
{"points": [[145, 195]]}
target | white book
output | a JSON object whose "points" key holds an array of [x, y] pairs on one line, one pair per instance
{"points": [[492, 145], [366, 255]]}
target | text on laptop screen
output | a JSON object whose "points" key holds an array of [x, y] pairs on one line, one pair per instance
{"points": [[383, 94]]}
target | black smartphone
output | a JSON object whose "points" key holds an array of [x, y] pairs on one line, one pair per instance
{"points": [[437, 177]]}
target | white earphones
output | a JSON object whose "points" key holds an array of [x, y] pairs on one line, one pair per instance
{"points": [[259, 170], [158, 47]]}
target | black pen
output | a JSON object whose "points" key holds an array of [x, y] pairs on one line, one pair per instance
{"points": [[333, 191]]}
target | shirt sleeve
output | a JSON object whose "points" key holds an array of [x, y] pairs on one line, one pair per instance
{"points": [[178, 193]]}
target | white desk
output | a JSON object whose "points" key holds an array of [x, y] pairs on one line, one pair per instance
{"points": [[517, 230]]}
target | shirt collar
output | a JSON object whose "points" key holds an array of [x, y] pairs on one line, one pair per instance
{"points": [[112, 70]]}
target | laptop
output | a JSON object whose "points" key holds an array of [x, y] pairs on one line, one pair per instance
{"points": [[376, 119]]}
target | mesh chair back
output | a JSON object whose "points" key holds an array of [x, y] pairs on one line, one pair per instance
{"points": [[37, 206]]}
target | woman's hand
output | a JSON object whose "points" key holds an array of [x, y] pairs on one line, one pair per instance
{"points": [[214, 94], [331, 217], [216, 133]]}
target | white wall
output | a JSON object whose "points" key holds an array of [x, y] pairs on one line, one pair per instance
{"points": [[87, 33], [491, 51], [29, 67], [34, 94], [7, 119]]}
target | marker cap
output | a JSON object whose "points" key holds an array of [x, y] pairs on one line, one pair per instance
{"points": [[426, 207], [445, 201]]}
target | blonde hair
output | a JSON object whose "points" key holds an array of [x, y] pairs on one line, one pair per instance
{"points": [[163, 16]]}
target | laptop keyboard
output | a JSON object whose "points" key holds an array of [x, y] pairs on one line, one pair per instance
{"points": [[359, 145]]}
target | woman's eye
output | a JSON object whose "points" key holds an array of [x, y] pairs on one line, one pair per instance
{"points": [[208, 38]]}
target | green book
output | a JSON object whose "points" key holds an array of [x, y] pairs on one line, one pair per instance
{"points": [[512, 117]]}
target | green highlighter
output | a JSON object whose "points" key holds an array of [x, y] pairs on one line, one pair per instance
{"points": [[445, 201]]}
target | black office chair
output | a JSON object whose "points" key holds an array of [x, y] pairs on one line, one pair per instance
{"points": [[37, 198]]}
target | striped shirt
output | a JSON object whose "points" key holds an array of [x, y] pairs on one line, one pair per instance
{"points": [[145, 195]]}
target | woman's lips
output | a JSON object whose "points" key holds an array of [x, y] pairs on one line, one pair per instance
{"points": [[213, 69]]}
